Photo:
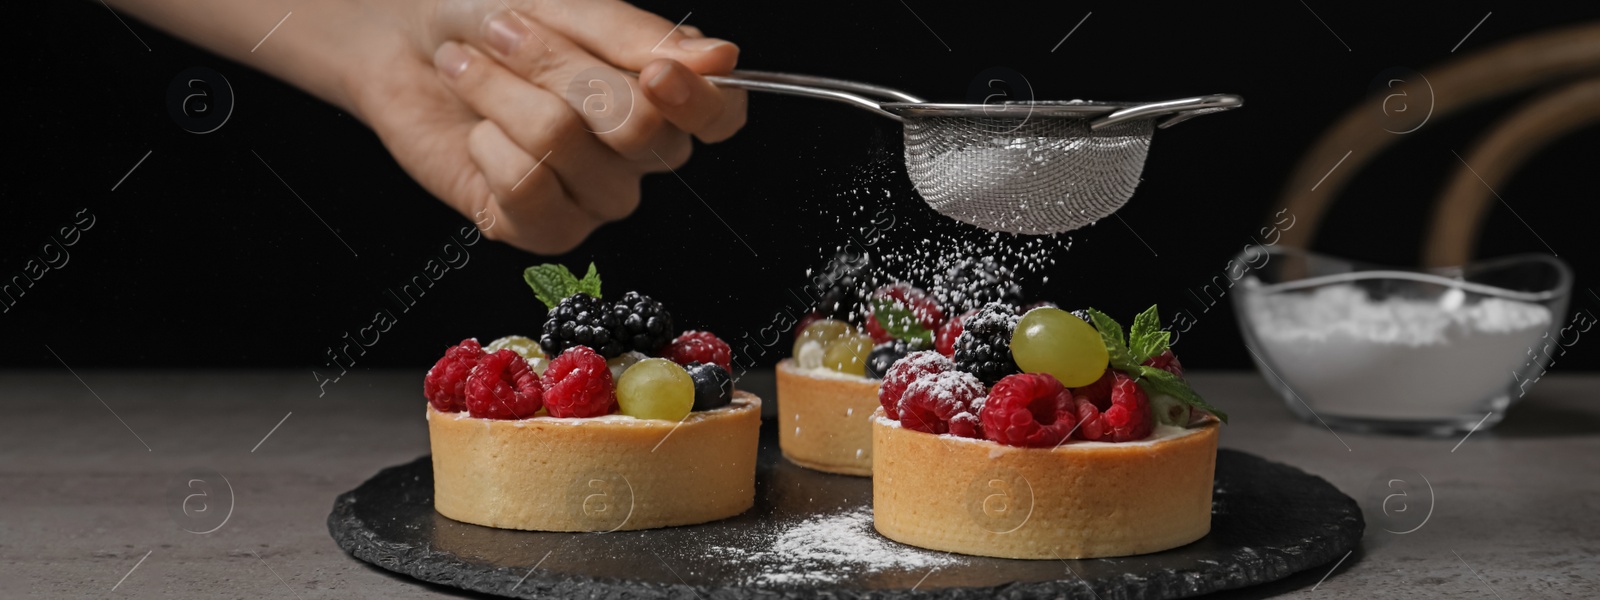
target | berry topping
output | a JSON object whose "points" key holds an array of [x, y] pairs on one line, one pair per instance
{"points": [[445, 384], [1051, 340], [945, 340], [622, 362], [974, 282], [848, 355], [578, 384], [883, 356], [655, 388], [918, 312], [582, 320], [523, 346], [713, 387], [1166, 361], [699, 346], [839, 286], [1030, 410], [503, 387], [1098, 392], [984, 346], [808, 346], [806, 321], [943, 402], [1129, 417], [905, 371], [643, 324]]}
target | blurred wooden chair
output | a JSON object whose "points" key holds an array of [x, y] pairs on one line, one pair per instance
{"points": [[1567, 59]]}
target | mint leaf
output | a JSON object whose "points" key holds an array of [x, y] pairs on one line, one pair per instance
{"points": [[553, 283], [1161, 382], [547, 283], [1147, 339], [590, 284], [899, 321], [1111, 334]]}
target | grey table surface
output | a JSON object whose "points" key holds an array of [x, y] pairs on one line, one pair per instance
{"points": [[90, 463]]}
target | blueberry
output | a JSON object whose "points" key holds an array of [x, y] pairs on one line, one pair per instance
{"points": [[884, 355], [713, 387]]}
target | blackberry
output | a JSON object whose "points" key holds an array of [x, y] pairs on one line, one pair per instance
{"points": [[643, 324], [841, 287], [984, 348], [974, 282], [884, 356], [581, 320]]}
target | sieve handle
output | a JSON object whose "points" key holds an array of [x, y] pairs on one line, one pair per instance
{"points": [[859, 95], [1181, 110]]}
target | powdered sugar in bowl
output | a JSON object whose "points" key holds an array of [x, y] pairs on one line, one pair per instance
{"points": [[1370, 348]]}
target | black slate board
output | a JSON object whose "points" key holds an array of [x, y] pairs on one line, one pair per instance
{"points": [[1269, 520]]}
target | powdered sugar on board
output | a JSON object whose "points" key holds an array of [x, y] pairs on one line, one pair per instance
{"points": [[830, 548]]}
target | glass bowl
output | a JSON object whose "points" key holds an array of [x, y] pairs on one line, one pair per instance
{"points": [[1372, 348]]}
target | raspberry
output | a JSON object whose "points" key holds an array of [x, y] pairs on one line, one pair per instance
{"points": [[942, 403], [1098, 392], [1129, 417], [503, 387], [922, 306], [905, 371], [945, 340], [1166, 361], [1031, 410], [582, 320], [984, 346], [643, 325], [578, 384], [702, 347], [1125, 417], [445, 384]]}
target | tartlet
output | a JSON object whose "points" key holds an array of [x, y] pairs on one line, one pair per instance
{"points": [[606, 423], [823, 419], [597, 474], [1079, 500], [1044, 437]]}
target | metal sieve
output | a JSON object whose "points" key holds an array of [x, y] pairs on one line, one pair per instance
{"points": [[1021, 167]]}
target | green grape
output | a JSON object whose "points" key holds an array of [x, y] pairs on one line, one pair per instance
{"points": [[620, 364], [1053, 341], [539, 365], [820, 333], [655, 388], [526, 347], [848, 354]]}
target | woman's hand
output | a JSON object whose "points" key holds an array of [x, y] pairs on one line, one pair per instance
{"points": [[516, 113]]}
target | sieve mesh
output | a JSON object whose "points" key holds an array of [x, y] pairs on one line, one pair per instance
{"points": [[1025, 174]]}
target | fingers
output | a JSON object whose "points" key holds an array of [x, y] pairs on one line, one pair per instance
{"points": [[691, 103], [530, 208], [542, 125], [608, 101], [631, 38]]}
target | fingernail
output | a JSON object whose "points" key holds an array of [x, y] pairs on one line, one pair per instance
{"points": [[669, 87], [701, 44], [506, 33], [451, 59]]}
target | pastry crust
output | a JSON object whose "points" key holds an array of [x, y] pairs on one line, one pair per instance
{"points": [[602, 474], [1079, 500], [824, 422]]}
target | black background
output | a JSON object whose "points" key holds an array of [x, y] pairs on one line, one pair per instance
{"points": [[201, 257]]}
